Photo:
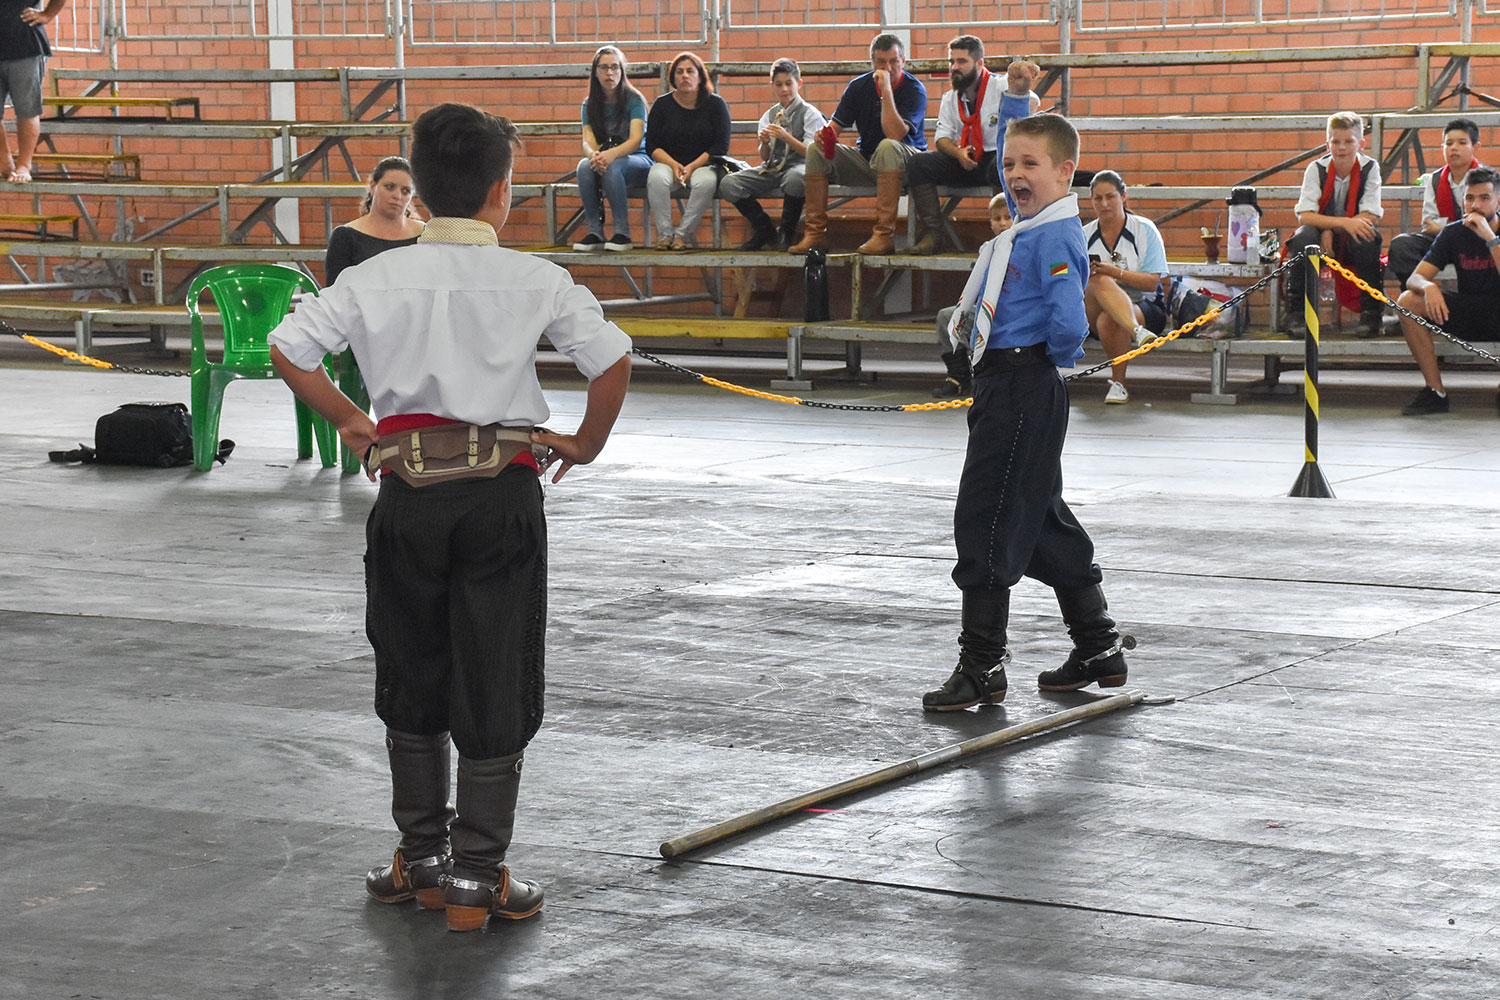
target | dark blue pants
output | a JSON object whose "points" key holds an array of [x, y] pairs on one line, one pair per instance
{"points": [[1011, 520], [456, 609]]}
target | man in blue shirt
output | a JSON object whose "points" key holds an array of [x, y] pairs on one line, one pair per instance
{"points": [[887, 107]]}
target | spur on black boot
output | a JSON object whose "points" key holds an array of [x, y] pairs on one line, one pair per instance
{"points": [[979, 678], [960, 380], [471, 903], [967, 688], [1098, 655], [401, 880]]}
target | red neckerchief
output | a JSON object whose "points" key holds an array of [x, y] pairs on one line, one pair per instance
{"points": [[1444, 194], [973, 132], [1352, 208]]}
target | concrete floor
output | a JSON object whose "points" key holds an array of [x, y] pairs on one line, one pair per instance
{"points": [[747, 601]]}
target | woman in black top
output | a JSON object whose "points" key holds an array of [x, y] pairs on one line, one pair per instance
{"points": [[686, 128], [387, 221]]}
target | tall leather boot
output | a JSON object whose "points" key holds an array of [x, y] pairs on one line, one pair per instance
{"points": [[979, 677], [419, 805], [481, 886], [887, 203], [815, 232], [1098, 654], [929, 212], [763, 230], [791, 214], [960, 380]]}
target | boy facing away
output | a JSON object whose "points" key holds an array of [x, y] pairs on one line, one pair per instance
{"points": [[1022, 317], [456, 561]]}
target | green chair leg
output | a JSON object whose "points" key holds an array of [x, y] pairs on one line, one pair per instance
{"points": [[352, 384], [208, 406]]}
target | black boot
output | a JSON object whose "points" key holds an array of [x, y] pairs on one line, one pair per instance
{"points": [[763, 230], [960, 380], [419, 805], [480, 886], [979, 677], [791, 214], [1098, 650]]}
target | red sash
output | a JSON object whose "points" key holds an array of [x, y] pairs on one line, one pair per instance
{"points": [[1444, 193], [973, 131], [1352, 208]]}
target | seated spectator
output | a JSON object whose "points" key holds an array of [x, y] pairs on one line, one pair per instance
{"points": [[1340, 195], [960, 380], [23, 65], [687, 128], [386, 222], [1126, 256], [614, 126], [970, 133], [784, 130], [888, 108], [1473, 311], [1442, 198]]}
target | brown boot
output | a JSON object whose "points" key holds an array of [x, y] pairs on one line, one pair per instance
{"points": [[814, 215], [929, 212], [887, 204]]}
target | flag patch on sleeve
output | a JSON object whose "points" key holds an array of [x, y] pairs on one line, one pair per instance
{"points": [[1059, 268]]}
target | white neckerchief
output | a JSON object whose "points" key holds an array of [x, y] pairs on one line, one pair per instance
{"points": [[989, 272]]}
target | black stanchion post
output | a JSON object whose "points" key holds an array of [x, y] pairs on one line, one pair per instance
{"points": [[1310, 481]]}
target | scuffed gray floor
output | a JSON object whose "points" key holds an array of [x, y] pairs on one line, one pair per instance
{"points": [[747, 601]]}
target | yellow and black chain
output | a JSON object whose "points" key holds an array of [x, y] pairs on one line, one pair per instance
{"points": [[1423, 321], [84, 359]]}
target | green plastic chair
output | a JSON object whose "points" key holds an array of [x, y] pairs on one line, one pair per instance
{"points": [[252, 299]]}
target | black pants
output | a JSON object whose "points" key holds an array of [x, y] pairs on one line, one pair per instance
{"points": [[1361, 258], [941, 170], [456, 609], [1011, 520], [1407, 251]]}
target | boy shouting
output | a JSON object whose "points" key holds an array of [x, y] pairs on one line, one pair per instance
{"points": [[1021, 317]]}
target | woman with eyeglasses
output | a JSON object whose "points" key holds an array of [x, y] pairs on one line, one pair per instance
{"points": [[614, 126], [1127, 265]]}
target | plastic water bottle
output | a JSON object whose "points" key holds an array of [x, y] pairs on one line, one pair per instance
{"points": [[1325, 284]]}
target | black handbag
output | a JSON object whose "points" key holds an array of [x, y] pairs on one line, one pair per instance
{"points": [[159, 435]]}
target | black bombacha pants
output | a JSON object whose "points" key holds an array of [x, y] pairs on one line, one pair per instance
{"points": [[456, 609], [1010, 520]]}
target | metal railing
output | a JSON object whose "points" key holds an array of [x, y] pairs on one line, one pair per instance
{"points": [[508, 24], [874, 15], [1137, 15], [81, 27]]}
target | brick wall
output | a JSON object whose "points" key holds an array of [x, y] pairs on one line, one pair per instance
{"points": [[1144, 158]]}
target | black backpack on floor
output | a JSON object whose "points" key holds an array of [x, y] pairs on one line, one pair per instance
{"points": [[154, 434]]}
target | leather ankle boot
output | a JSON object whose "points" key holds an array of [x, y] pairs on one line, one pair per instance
{"points": [[1098, 654], [791, 214], [419, 805], [929, 212], [960, 380], [887, 203], [763, 230], [815, 213], [979, 677], [481, 886]]}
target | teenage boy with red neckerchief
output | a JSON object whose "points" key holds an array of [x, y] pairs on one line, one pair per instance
{"points": [[1340, 194], [1442, 197]]}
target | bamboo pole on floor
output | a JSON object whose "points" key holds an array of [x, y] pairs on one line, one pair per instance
{"points": [[1010, 734]]}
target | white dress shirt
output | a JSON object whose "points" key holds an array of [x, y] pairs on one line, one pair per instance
{"points": [[450, 326]]}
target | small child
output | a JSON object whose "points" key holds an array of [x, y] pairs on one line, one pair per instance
{"points": [[956, 360], [784, 130], [1340, 193], [456, 556], [1022, 316]]}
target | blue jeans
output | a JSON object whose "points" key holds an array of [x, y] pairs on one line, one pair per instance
{"points": [[625, 172]]}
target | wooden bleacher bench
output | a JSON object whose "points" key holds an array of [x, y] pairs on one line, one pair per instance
{"points": [[68, 105], [112, 166], [43, 224]]}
